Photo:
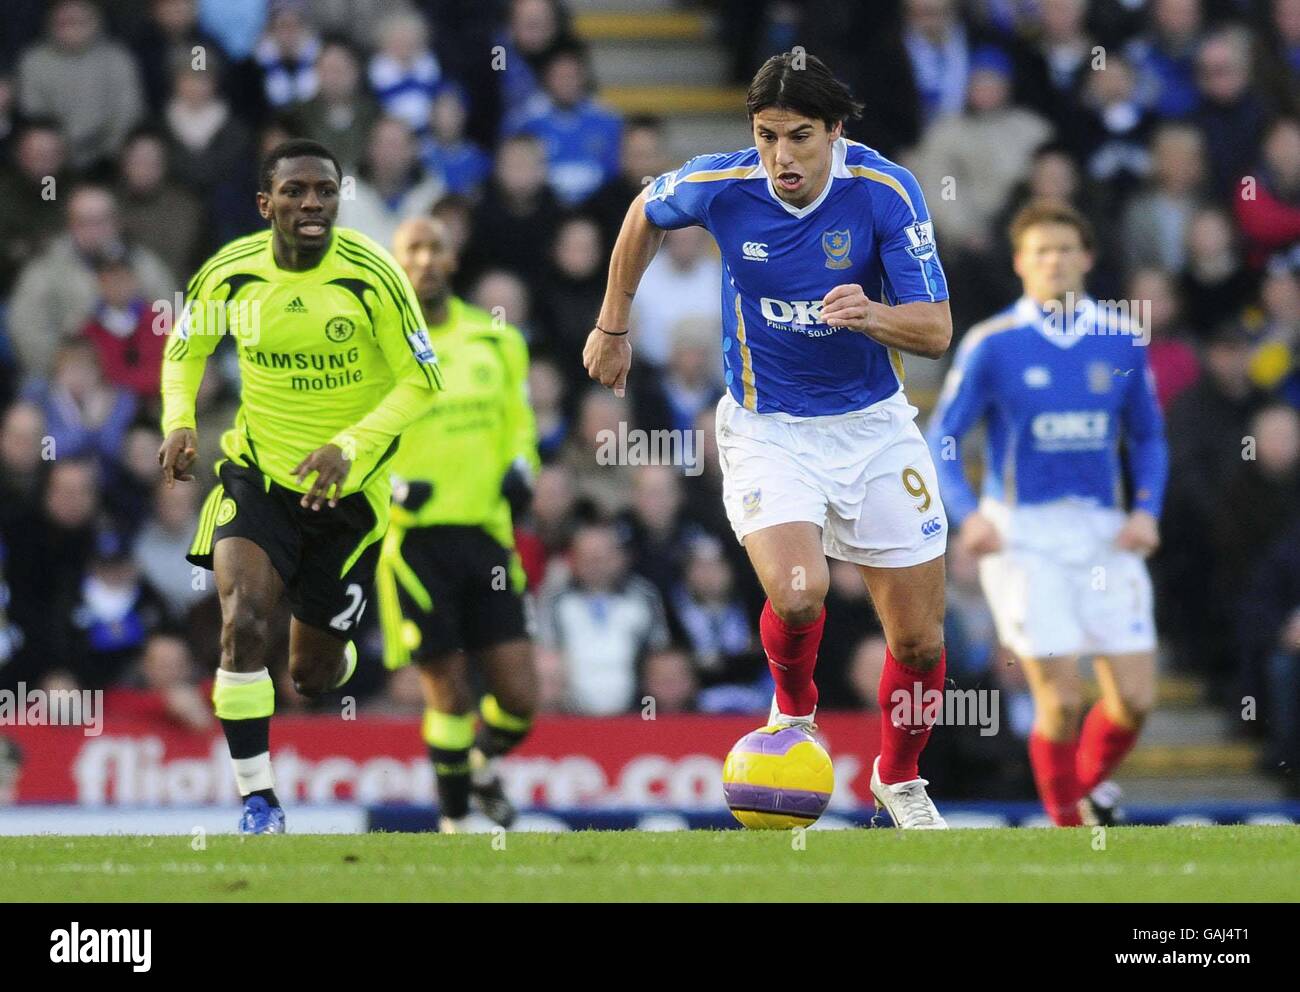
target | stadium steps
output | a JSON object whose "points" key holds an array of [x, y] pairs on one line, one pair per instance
{"points": [[651, 57]]}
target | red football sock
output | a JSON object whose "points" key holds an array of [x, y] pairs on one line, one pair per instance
{"points": [[1102, 746], [791, 657], [1058, 786], [901, 744]]}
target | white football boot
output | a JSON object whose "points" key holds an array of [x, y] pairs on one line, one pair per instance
{"points": [[470, 823], [775, 718], [907, 803]]}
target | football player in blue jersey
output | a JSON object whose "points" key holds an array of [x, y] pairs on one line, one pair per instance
{"points": [[830, 272], [1062, 383]]}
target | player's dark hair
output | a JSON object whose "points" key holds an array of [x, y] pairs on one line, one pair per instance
{"points": [[1049, 212], [296, 148], [802, 83]]}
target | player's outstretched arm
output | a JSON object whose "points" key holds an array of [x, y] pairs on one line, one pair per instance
{"points": [[919, 328], [607, 356]]}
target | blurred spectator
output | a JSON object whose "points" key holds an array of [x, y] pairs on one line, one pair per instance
{"points": [[603, 622], [463, 165], [128, 488], [641, 157], [553, 516], [1156, 219], [689, 384], [1280, 37], [581, 136], [1171, 357], [1113, 131], [939, 50], [165, 672], [1215, 284], [47, 551], [595, 452], [1275, 364], [655, 534], [980, 154], [681, 283], [162, 544], [112, 614], [57, 292], [1068, 53], [1267, 201], [1165, 58], [405, 73], [84, 414], [287, 54], [533, 27], [1205, 426], [850, 620], [22, 451], [85, 81], [125, 332], [718, 628], [669, 680], [546, 394], [237, 24], [1232, 114], [30, 190], [1268, 637], [170, 32], [158, 213], [574, 290], [514, 225], [504, 294], [210, 148], [1262, 487], [341, 114], [391, 184]]}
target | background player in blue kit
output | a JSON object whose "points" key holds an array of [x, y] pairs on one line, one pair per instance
{"points": [[829, 273], [1061, 383]]}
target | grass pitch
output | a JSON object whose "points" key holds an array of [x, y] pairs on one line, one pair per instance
{"points": [[1163, 864]]}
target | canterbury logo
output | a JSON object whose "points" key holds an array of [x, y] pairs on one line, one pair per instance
{"points": [[756, 250], [295, 306], [931, 527]]}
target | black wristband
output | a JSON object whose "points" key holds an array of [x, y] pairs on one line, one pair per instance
{"points": [[612, 334]]}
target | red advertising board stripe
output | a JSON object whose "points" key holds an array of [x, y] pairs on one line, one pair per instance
{"points": [[567, 761]]}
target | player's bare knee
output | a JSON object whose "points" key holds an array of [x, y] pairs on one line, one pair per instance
{"points": [[316, 673], [244, 632], [799, 607], [1061, 711], [1135, 707], [920, 652]]}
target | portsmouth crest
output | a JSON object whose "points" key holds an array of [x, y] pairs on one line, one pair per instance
{"points": [[339, 329], [750, 501], [837, 245]]}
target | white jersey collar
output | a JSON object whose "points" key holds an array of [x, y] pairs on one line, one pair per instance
{"points": [[1062, 329], [838, 152]]}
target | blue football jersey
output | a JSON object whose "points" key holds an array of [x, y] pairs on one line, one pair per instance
{"points": [[869, 226], [1058, 399]]}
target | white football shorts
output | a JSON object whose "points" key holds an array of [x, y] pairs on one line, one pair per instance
{"points": [[1060, 587], [865, 478]]}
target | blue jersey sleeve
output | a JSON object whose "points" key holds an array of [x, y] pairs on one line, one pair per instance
{"points": [[962, 404], [1144, 433], [905, 235], [681, 198]]}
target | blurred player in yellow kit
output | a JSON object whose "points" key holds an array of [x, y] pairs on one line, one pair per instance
{"points": [[450, 584]]}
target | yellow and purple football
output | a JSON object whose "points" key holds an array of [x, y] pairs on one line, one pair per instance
{"points": [[776, 778]]}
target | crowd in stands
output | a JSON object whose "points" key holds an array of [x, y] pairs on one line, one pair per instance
{"points": [[130, 134]]}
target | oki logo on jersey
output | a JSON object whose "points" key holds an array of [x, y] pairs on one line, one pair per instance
{"points": [[802, 312], [920, 238], [1071, 430], [754, 251]]}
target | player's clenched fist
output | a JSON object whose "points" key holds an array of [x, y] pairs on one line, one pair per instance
{"points": [[331, 468], [607, 359], [846, 306], [177, 454]]}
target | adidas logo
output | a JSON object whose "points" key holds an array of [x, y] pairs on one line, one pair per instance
{"points": [[295, 306]]}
